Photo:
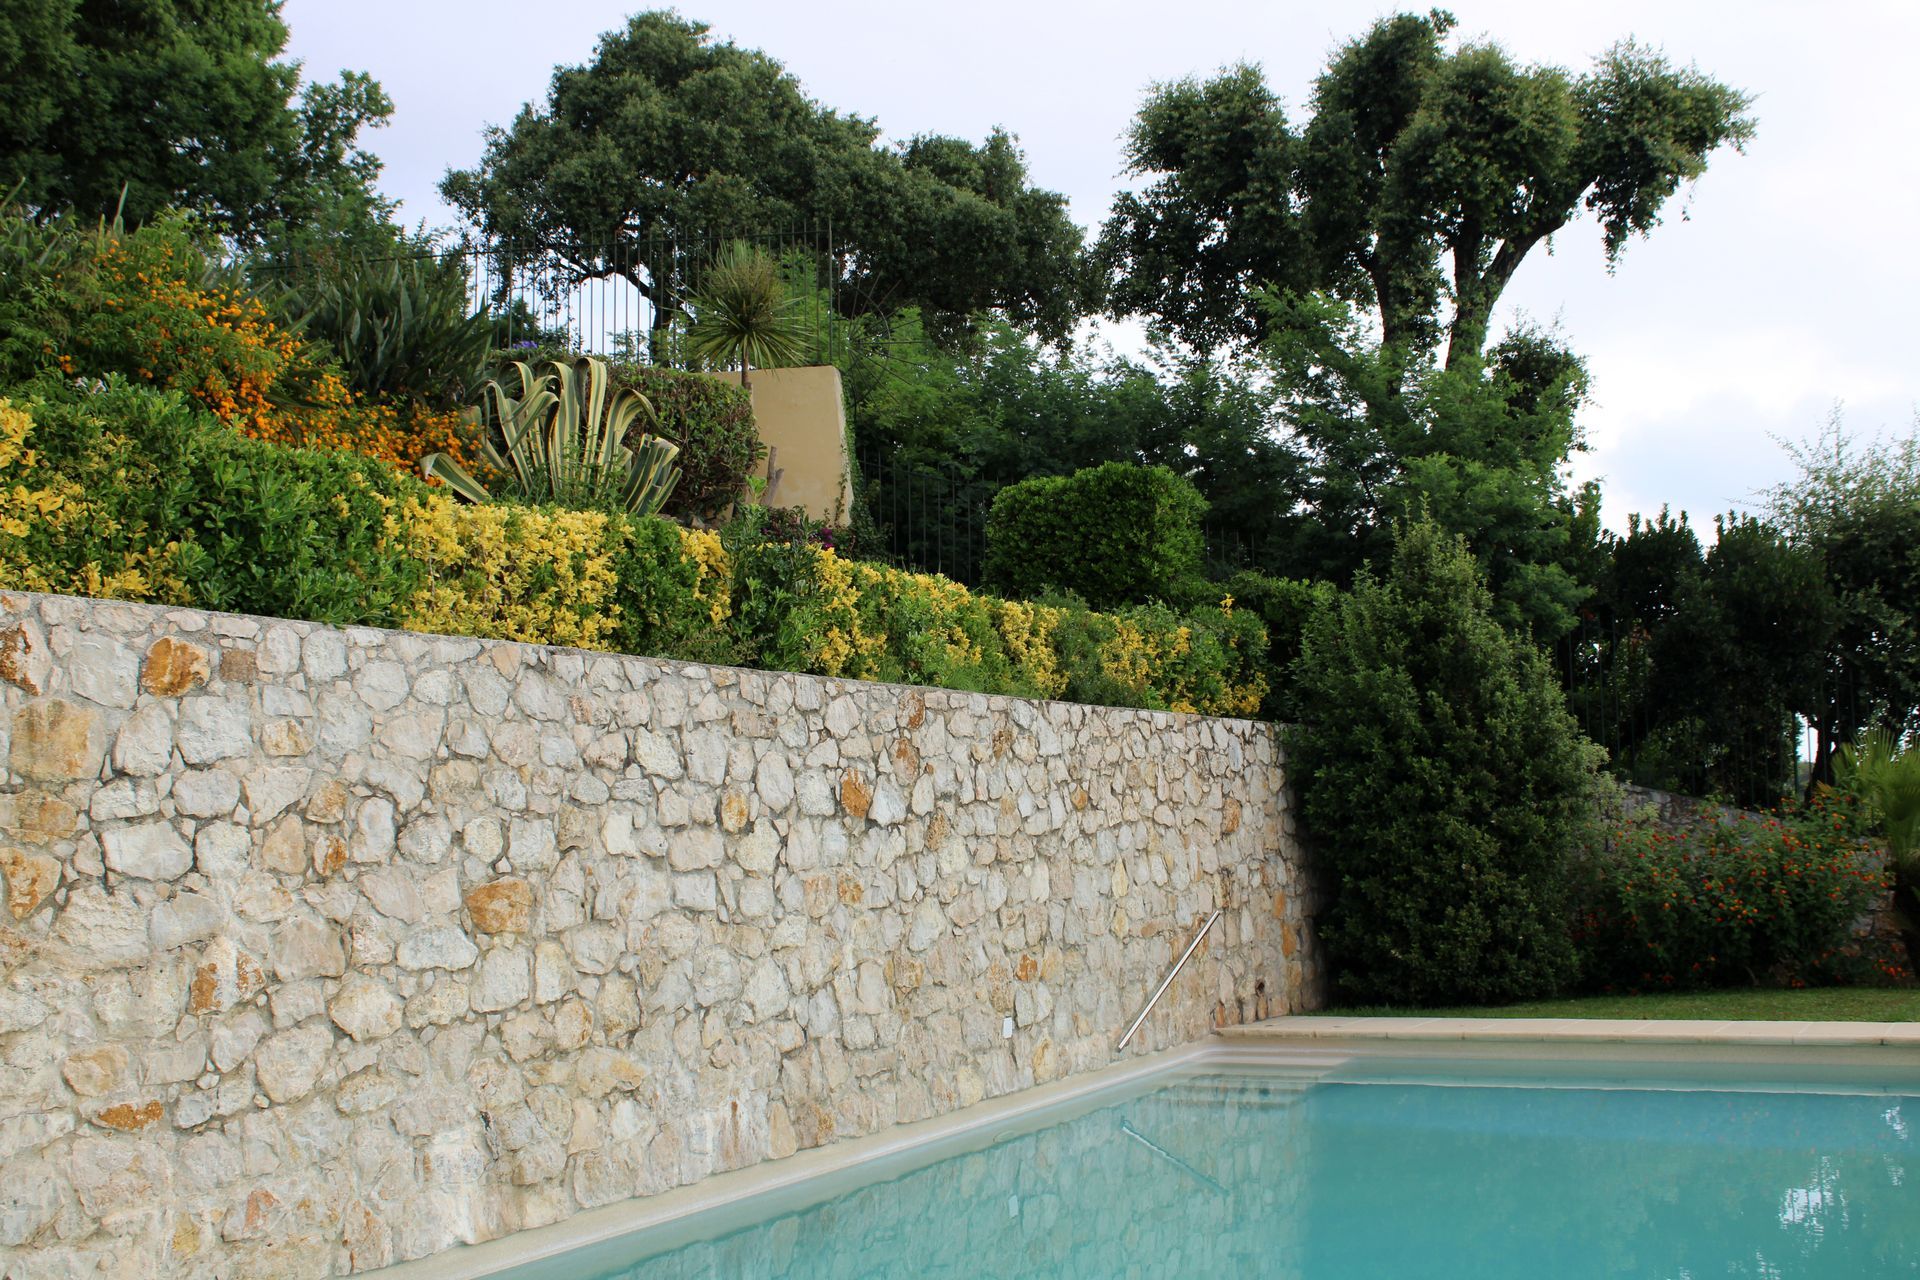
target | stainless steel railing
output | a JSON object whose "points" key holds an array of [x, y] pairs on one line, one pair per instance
{"points": [[1168, 980]]}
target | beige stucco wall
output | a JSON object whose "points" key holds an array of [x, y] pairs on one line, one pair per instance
{"points": [[803, 420]]}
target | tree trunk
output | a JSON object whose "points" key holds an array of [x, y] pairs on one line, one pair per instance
{"points": [[659, 340], [1476, 295]]}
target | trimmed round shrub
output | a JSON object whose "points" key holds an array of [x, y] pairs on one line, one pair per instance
{"points": [[712, 422], [1116, 534], [1444, 786]]}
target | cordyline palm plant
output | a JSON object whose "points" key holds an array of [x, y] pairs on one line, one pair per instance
{"points": [[560, 436], [743, 314]]}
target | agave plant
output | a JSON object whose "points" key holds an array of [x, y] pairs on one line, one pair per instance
{"points": [[743, 314], [560, 436]]}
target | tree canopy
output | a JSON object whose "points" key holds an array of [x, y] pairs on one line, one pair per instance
{"points": [[1481, 450], [1695, 661], [1856, 506], [181, 104], [670, 142], [1419, 183]]}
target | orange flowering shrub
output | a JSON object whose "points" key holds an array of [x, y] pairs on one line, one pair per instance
{"points": [[149, 305], [1740, 899]]}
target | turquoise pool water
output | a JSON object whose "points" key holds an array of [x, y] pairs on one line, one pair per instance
{"points": [[1397, 1171]]}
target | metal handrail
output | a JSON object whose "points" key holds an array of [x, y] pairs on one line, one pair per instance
{"points": [[1167, 1155], [1168, 980]]}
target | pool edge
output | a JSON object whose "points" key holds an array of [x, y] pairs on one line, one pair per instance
{"points": [[716, 1191], [1314, 1029], [1323, 1043]]}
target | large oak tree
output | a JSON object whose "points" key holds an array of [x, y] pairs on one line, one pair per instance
{"points": [[667, 142]]}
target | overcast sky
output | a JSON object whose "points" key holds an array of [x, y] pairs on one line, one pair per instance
{"points": [[1788, 287]]}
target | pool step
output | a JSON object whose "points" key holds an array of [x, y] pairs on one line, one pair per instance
{"points": [[1260, 1094]]}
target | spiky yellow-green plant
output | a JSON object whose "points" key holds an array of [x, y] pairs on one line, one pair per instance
{"points": [[560, 436]]}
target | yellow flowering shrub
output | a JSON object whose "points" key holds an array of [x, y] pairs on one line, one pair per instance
{"points": [[713, 580], [926, 629], [512, 573], [804, 608], [1212, 661], [1028, 631], [580, 578], [56, 536]]}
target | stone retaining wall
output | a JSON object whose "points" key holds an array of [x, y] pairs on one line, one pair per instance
{"points": [[330, 948]]}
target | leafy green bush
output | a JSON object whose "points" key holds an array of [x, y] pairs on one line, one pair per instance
{"points": [[1741, 899], [399, 329], [1116, 534], [136, 493], [1284, 605], [779, 601], [712, 421], [1442, 783], [132, 493], [668, 589]]}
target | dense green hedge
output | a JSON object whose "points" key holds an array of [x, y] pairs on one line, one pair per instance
{"points": [[1284, 606], [1443, 784], [712, 422], [127, 492], [1116, 534]]}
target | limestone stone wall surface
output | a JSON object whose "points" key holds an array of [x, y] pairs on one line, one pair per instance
{"points": [[325, 949]]}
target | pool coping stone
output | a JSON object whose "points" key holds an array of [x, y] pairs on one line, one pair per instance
{"points": [[1319, 1027]]}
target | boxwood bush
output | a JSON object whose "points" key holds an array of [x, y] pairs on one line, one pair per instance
{"points": [[1443, 785], [712, 422], [1116, 534]]}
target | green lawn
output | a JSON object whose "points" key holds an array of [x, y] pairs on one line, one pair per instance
{"points": [[1830, 1004]]}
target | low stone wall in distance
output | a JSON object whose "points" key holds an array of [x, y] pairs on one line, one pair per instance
{"points": [[327, 948]]}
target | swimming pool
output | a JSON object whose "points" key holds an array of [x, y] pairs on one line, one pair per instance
{"points": [[1363, 1168]]}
